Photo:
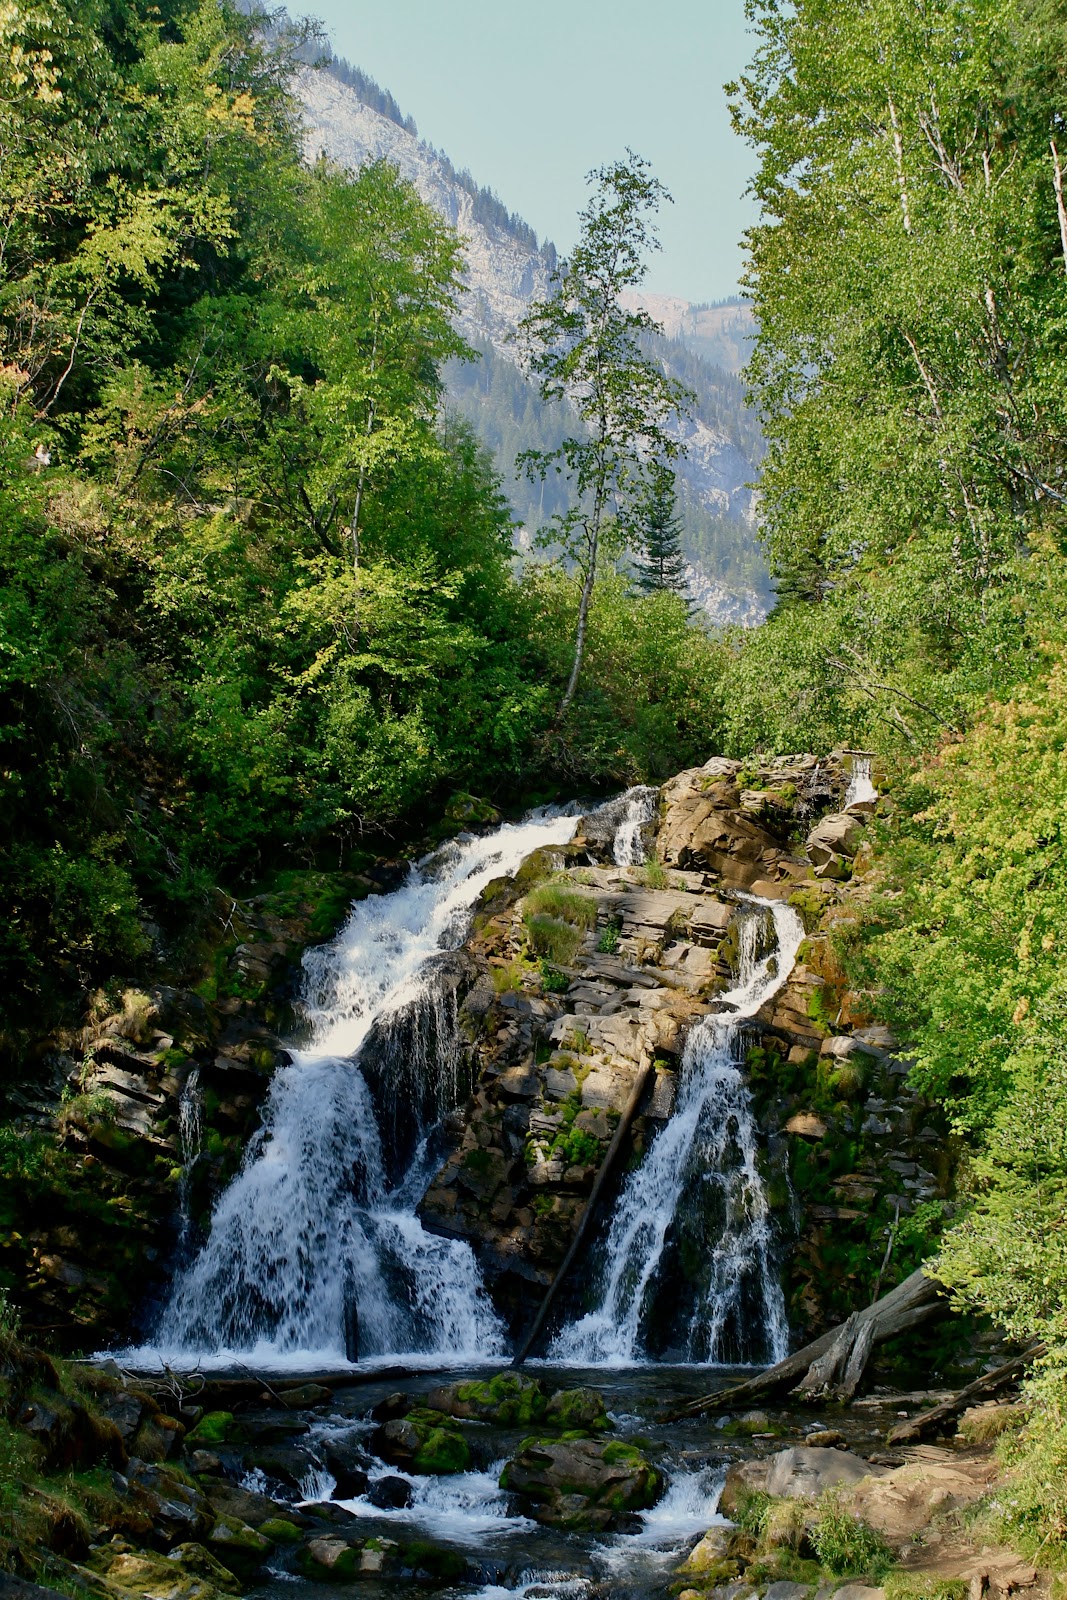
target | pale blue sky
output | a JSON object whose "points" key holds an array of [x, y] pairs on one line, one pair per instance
{"points": [[531, 96]]}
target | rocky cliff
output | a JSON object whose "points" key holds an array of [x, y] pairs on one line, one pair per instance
{"points": [[505, 272]]}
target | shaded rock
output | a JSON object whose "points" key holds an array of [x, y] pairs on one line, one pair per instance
{"points": [[578, 1408], [233, 1504], [240, 1548], [833, 842], [581, 1483], [422, 1442], [390, 1494]]}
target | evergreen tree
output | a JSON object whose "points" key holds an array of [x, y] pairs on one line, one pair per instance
{"points": [[663, 565]]}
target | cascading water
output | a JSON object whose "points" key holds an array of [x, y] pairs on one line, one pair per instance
{"points": [[861, 790], [315, 1253], [638, 808], [190, 1134], [703, 1162]]}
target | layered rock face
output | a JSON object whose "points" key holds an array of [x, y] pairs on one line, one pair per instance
{"points": [[145, 1114], [576, 1059]]}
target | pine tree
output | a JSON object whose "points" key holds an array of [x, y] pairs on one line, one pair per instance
{"points": [[664, 565]]}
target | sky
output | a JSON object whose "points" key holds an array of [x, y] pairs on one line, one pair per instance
{"points": [[531, 97]]}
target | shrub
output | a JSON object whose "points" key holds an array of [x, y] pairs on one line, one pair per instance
{"points": [[563, 903], [558, 941], [508, 978], [608, 943], [846, 1546], [655, 876]]}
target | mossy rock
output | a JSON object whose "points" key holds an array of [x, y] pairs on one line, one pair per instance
{"points": [[578, 1410], [213, 1428], [238, 1547], [423, 1442], [280, 1531], [331, 1559], [509, 1400]]}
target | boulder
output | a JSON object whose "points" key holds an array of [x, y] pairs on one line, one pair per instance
{"points": [[573, 1409], [833, 842], [422, 1442], [240, 1548], [390, 1494], [581, 1483], [803, 1472], [510, 1400]]}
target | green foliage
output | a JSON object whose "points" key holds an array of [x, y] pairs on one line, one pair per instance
{"points": [[584, 347], [553, 981], [608, 943], [557, 941], [845, 1545], [577, 1148], [568, 905]]}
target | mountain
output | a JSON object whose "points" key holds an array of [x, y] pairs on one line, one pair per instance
{"points": [[348, 118]]}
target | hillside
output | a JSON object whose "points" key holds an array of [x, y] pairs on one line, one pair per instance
{"points": [[506, 269]]}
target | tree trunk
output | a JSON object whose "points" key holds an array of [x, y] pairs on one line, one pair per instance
{"points": [[607, 1167], [911, 1303], [929, 1422], [583, 622], [1061, 210]]}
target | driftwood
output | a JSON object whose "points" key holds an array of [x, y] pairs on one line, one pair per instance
{"points": [[607, 1167], [933, 1421], [843, 1351]]}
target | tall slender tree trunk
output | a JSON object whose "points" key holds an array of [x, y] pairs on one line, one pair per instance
{"points": [[583, 616], [1061, 210], [898, 154]]}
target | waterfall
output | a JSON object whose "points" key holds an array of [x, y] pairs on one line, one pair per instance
{"points": [[190, 1137], [690, 1242], [315, 1254], [638, 808], [861, 790]]}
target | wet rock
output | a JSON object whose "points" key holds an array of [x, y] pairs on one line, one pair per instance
{"points": [[344, 1467], [581, 1483], [396, 1404], [330, 1557], [239, 1547], [205, 1462], [390, 1494], [307, 1394], [214, 1428], [422, 1442], [510, 1400], [233, 1504], [280, 1530], [289, 1465], [571, 1409], [195, 1559]]}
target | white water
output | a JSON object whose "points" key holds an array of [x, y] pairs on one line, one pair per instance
{"points": [[861, 790], [315, 1255], [468, 1506], [709, 1142], [638, 808], [191, 1134]]}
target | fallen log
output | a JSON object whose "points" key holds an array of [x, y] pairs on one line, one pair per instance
{"points": [[932, 1422], [911, 1303], [607, 1167]]}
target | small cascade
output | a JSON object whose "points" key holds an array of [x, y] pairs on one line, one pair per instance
{"points": [[190, 1135], [315, 1253], [638, 807], [693, 1222], [861, 790]]}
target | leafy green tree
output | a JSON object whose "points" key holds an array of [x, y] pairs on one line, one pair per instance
{"points": [[585, 348]]}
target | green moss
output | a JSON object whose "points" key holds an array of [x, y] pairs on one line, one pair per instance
{"points": [[213, 1428], [279, 1531], [442, 1449], [563, 904], [509, 1399]]}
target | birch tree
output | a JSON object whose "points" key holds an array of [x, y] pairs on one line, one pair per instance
{"points": [[586, 347]]}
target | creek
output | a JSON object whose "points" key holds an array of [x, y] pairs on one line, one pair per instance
{"points": [[316, 1259]]}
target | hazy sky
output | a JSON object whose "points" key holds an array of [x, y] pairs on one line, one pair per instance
{"points": [[531, 96]]}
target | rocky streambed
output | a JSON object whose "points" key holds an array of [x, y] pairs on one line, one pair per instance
{"points": [[554, 1483]]}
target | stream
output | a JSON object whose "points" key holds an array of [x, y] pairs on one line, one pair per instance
{"points": [[316, 1259]]}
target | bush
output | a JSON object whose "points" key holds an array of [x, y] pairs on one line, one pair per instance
{"points": [[564, 904], [558, 941], [846, 1546]]}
